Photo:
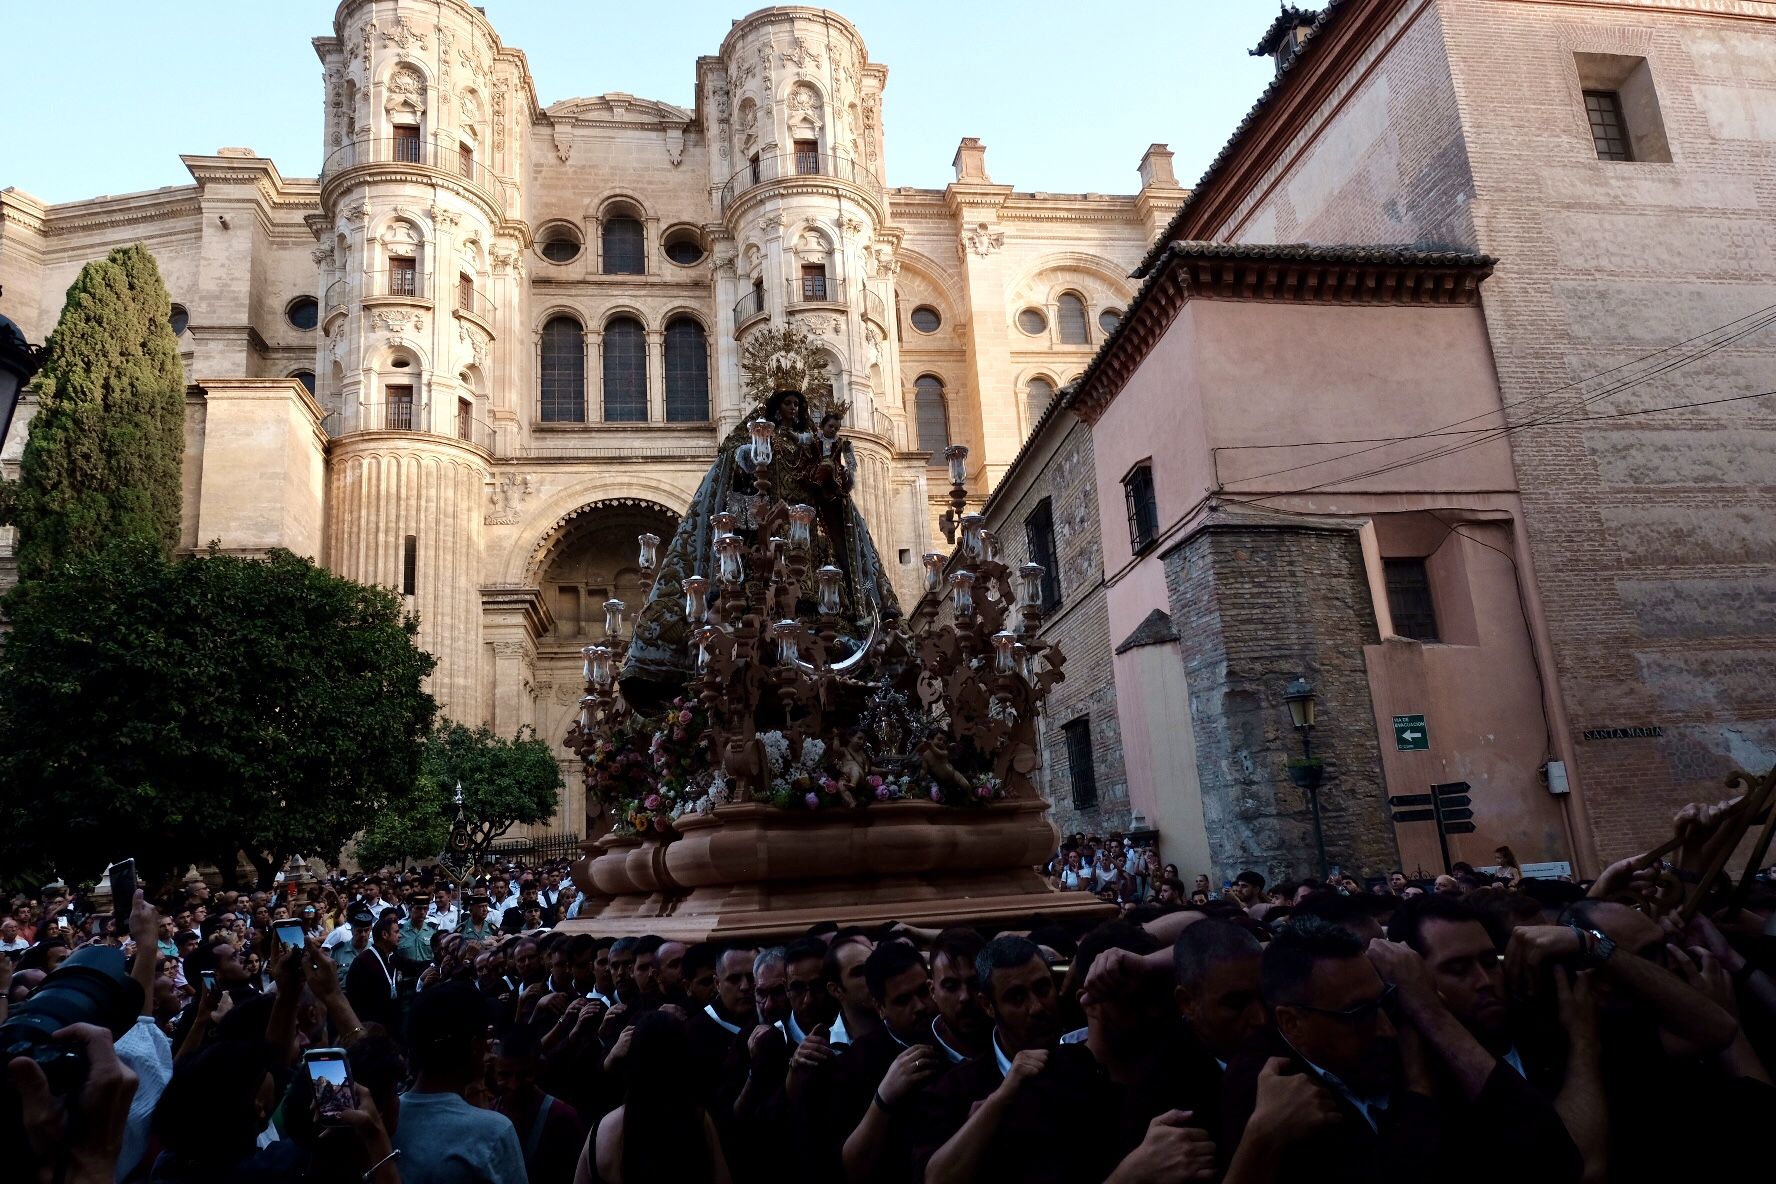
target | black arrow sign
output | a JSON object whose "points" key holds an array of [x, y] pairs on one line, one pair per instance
{"points": [[1400, 801], [1450, 787], [1454, 801], [1457, 815], [1458, 828], [1414, 815]]}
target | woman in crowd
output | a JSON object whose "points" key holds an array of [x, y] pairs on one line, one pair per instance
{"points": [[659, 1132]]}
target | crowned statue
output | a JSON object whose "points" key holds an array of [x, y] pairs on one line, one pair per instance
{"points": [[786, 457]]}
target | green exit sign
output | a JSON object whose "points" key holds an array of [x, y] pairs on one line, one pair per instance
{"points": [[1410, 734]]}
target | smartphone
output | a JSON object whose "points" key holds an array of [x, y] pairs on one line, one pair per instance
{"points": [[288, 933], [209, 982], [123, 892], [330, 1076]]}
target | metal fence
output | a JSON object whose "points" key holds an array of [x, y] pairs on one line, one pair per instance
{"points": [[536, 848]]}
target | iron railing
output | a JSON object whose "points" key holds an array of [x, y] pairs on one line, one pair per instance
{"points": [[399, 415], [435, 153], [334, 299], [473, 300], [540, 847], [414, 284], [814, 289], [875, 309], [795, 164], [749, 306]]}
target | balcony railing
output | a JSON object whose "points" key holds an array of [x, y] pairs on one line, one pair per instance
{"points": [[814, 289], [795, 164], [874, 309], [475, 302], [414, 285], [398, 415], [444, 156], [749, 306], [337, 294]]}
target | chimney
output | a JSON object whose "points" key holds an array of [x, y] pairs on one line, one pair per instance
{"points": [[1156, 168], [971, 161]]}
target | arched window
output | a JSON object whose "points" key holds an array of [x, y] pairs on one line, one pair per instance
{"points": [[1070, 319], [687, 372], [625, 372], [1037, 397], [623, 246], [931, 417], [563, 371]]}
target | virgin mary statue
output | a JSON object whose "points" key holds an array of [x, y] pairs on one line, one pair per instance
{"points": [[807, 466]]}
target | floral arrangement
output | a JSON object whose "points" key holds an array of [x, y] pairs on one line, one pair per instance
{"points": [[650, 770]]}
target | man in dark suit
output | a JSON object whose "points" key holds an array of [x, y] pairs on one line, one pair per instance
{"points": [[1333, 1004], [370, 983]]}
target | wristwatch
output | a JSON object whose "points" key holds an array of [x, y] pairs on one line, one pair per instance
{"points": [[1595, 946]]}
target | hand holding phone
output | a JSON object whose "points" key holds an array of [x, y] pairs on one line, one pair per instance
{"points": [[123, 892], [329, 1075], [289, 933]]}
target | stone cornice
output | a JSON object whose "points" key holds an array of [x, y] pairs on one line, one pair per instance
{"points": [[787, 15], [1186, 271], [527, 603]]}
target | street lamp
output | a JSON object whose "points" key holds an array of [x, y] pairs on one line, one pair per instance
{"points": [[19, 362], [1307, 772]]}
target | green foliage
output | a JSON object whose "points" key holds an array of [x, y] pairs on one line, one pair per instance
{"points": [[102, 461], [181, 710], [504, 782]]}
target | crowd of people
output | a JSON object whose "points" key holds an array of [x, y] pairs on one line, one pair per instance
{"points": [[1483, 1026]]}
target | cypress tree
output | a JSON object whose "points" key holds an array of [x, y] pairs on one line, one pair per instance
{"points": [[102, 461]]}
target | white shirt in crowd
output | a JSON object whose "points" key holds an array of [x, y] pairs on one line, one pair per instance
{"points": [[445, 919]]}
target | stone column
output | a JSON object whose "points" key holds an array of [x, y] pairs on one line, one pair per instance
{"points": [[656, 375]]}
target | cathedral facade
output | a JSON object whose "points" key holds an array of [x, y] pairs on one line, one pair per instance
{"points": [[493, 342]]}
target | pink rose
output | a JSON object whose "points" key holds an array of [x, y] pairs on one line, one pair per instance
{"points": [[984, 792], [684, 717], [813, 801], [829, 786], [661, 825], [875, 781], [652, 802]]}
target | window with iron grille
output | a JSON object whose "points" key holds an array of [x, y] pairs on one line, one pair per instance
{"points": [[1080, 770], [465, 292], [399, 413], [625, 372], [563, 372], [465, 419], [813, 281], [407, 144], [1609, 132], [1039, 533], [931, 418], [623, 246], [1143, 510], [409, 565], [1070, 320], [1409, 599], [403, 276], [687, 372], [465, 160], [807, 157]]}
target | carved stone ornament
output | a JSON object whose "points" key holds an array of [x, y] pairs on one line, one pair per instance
{"points": [[803, 100], [506, 499], [499, 118], [982, 239], [395, 320], [563, 141], [801, 53], [675, 146], [322, 255], [770, 222], [503, 258], [851, 225], [445, 217], [404, 35], [357, 214], [509, 649], [406, 82], [471, 108]]}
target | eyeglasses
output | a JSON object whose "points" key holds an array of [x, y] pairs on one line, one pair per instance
{"points": [[1362, 1013]]}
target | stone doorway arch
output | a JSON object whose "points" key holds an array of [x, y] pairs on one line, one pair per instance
{"points": [[589, 555]]}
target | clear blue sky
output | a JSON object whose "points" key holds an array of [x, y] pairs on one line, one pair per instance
{"points": [[103, 95]]}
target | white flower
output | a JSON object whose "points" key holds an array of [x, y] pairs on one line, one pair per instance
{"points": [[812, 751], [776, 750]]}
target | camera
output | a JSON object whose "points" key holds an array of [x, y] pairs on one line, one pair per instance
{"points": [[92, 986]]}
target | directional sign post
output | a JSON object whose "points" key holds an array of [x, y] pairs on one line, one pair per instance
{"points": [[1451, 807], [1410, 733]]}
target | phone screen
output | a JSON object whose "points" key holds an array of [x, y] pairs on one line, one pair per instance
{"points": [[209, 980], [331, 1078], [289, 933]]}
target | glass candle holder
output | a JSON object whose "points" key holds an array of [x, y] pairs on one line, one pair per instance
{"points": [[732, 569], [586, 666], [760, 430], [801, 522], [962, 593], [704, 636], [613, 617], [601, 668], [829, 578], [776, 543], [934, 564], [650, 550], [696, 590], [989, 547], [724, 523], [789, 642], [1004, 655], [956, 455], [588, 704], [1020, 657], [972, 525], [1030, 585]]}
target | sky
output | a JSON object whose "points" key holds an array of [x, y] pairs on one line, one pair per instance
{"points": [[1065, 95]]}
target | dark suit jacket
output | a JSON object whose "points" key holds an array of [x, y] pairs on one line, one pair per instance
{"points": [[367, 989]]}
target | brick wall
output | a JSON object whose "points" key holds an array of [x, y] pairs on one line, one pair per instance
{"points": [[1255, 606], [1065, 475]]}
